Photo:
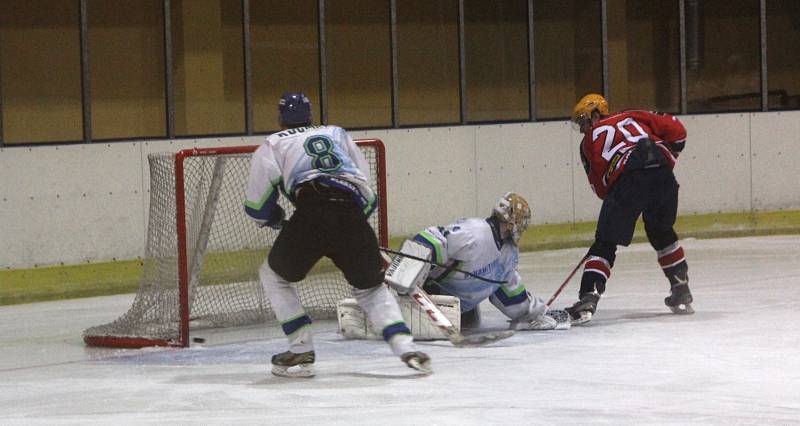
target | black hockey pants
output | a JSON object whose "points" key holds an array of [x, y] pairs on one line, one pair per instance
{"points": [[327, 224]]}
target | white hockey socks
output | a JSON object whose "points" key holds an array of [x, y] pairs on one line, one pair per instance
{"points": [[288, 309], [384, 314]]}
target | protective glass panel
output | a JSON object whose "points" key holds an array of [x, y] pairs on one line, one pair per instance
{"points": [[357, 50], [496, 44], [40, 71], [126, 41], [723, 55], [427, 62], [208, 66], [783, 53], [644, 54], [284, 45], [568, 54]]}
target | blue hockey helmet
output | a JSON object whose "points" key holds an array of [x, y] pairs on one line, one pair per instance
{"points": [[294, 108]]}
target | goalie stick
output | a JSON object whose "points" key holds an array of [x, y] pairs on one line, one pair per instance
{"points": [[441, 321], [399, 253], [564, 284], [453, 335]]}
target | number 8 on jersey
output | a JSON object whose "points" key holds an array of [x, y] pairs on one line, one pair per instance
{"points": [[321, 149]]}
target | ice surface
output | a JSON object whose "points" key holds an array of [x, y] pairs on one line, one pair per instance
{"points": [[736, 361]]}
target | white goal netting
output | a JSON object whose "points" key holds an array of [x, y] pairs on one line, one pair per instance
{"points": [[216, 283]]}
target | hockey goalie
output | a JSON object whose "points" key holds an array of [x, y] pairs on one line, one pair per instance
{"points": [[461, 265]]}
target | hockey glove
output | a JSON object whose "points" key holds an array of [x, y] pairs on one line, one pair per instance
{"points": [[676, 147], [277, 215]]}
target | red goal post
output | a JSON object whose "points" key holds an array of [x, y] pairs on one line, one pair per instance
{"points": [[202, 253]]}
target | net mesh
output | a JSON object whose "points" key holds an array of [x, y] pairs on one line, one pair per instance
{"points": [[224, 252]]}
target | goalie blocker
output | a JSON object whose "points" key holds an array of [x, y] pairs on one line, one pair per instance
{"points": [[408, 272]]}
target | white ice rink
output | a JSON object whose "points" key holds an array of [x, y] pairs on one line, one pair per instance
{"points": [[735, 361]]}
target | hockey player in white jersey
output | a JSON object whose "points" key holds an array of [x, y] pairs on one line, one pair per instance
{"points": [[487, 248], [324, 174]]}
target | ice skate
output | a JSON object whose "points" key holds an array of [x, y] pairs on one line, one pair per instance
{"points": [[583, 310], [680, 299], [471, 318], [418, 361], [290, 364]]}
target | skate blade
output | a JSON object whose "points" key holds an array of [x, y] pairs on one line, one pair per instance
{"points": [[295, 371], [682, 309], [583, 319], [424, 367]]}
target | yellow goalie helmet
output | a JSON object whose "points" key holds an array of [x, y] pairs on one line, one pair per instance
{"points": [[588, 104], [514, 210]]}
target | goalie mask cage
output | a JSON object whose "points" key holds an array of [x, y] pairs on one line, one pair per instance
{"points": [[203, 252]]}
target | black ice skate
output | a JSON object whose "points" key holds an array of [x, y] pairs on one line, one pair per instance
{"points": [[583, 310], [418, 361], [471, 319], [680, 299], [290, 364]]}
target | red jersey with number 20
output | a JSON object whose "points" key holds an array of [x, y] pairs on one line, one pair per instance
{"points": [[606, 148]]}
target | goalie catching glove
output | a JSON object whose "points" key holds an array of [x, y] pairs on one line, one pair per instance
{"points": [[551, 319]]}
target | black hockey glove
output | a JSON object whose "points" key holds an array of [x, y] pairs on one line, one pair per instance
{"points": [[676, 147], [277, 215], [645, 156]]}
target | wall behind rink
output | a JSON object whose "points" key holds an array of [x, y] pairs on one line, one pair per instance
{"points": [[88, 203]]}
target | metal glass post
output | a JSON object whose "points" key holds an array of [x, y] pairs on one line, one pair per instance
{"points": [[169, 89], [462, 63], [323, 69], [763, 35], [248, 68], [531, 65], [86, 86], [684, 85], [604, 36], [393, 58]]}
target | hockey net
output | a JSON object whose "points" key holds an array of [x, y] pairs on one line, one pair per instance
{"points": [[203, 253]]}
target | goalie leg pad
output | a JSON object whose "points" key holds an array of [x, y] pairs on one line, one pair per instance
{"points": [[421, 326], [353, 322]]}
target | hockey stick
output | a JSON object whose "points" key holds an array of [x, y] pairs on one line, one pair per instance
{"points": [[399, 253], [453, 335], [564, 284]]}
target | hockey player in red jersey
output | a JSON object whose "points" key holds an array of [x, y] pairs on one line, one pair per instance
{"points": [[628, 158]]}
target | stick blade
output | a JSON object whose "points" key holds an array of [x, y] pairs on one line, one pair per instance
{"points": [[482, 339]]}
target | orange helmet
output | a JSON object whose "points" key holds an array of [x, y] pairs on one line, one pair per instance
{"points": [[589, 103]]}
